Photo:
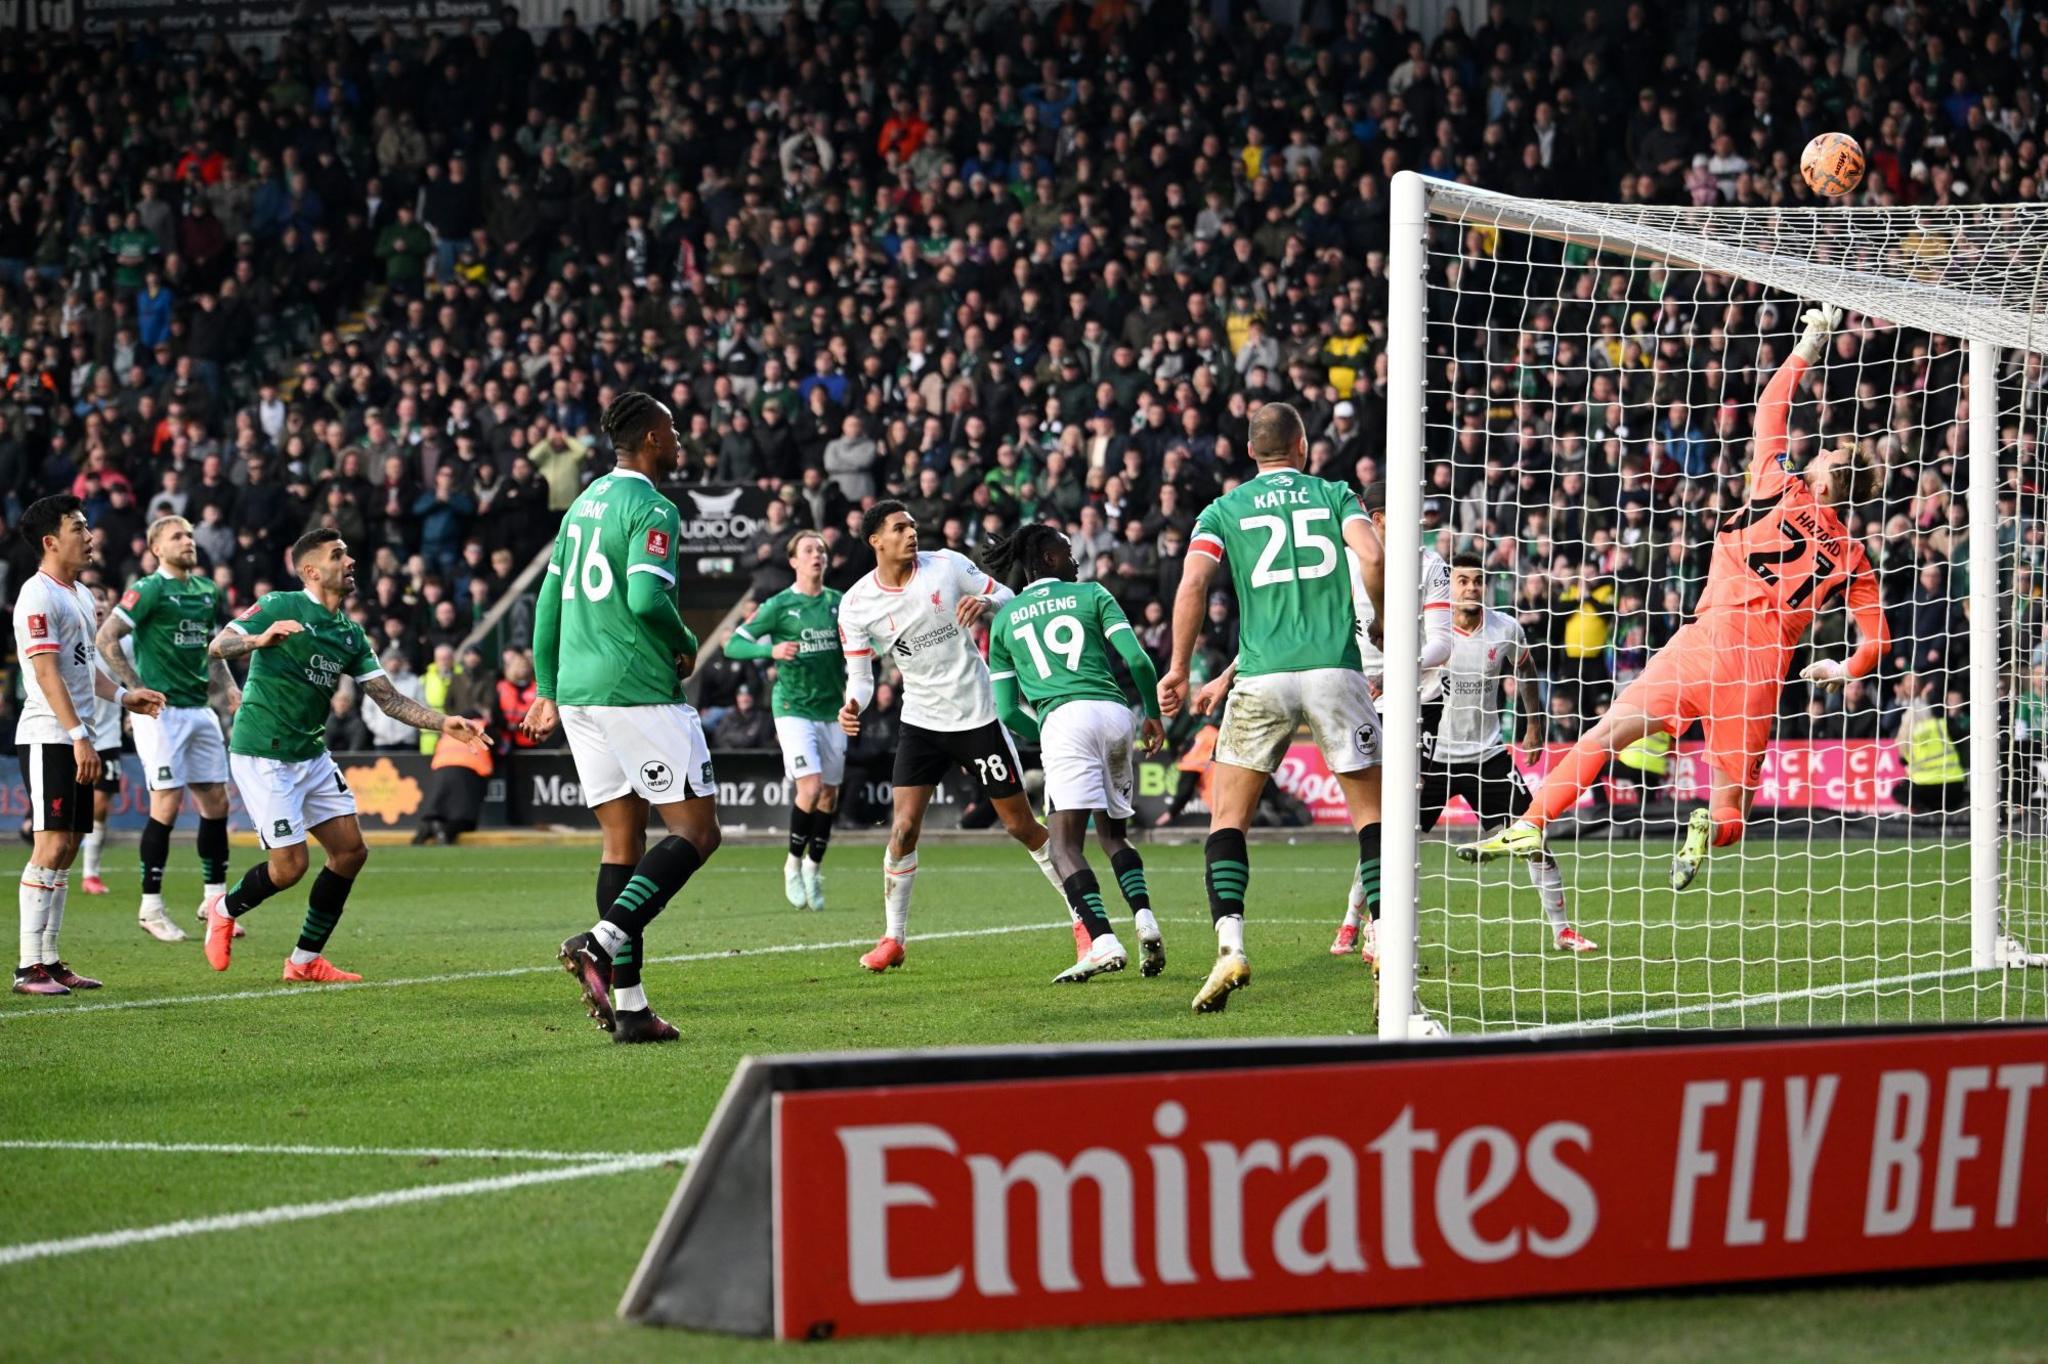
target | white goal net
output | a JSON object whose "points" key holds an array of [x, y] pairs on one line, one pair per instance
{"points": [[1573, 394]]}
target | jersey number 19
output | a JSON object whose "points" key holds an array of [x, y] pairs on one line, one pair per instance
{"points": [[1063, 636]]}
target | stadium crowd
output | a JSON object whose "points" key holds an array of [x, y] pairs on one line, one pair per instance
{"points": [[998, 262]]}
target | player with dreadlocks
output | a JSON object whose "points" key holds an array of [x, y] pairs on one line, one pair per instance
{"points": [[918, 606], [1048, 656], [610, 652]]}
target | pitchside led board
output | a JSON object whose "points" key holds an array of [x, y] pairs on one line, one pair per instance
{"points": [[983, 1190]]}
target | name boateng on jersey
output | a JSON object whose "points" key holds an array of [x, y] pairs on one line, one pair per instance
{"points": [[1054, 637]]}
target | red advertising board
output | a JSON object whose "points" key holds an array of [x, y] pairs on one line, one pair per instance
{"points": [[1006, 1205], [1856, 775]]}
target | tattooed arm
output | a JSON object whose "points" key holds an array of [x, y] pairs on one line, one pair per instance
{"points": [[221, 686], [407, 711], [112, 656], [234, 642]]}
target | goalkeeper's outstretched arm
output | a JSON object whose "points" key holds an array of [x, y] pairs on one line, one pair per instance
{"points": [[1767, 472]]}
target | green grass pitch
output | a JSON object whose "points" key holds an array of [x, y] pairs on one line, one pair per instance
{"points": [[486, 1050]]}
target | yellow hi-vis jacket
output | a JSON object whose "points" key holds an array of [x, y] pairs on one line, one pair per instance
{"points": [[1932, 758]]}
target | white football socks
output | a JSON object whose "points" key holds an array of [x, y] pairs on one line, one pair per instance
{"points": [[897, 875], [1148, 925], [54, 921], [1549, 881], [35, 912], [1354, 909], [94, 842], [301, 957], [1230, 933], [629, 999], [1042, 855], [609, 936], [153, 905]]}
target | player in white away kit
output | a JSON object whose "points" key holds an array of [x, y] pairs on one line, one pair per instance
{"points": [[1468, 756], [918, 608], [105, 725], [1362, 910], [53, 633]]}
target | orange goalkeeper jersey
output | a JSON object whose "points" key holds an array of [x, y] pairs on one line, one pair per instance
{"points": [[1785, 555]]}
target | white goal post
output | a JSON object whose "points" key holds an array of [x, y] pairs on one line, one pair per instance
{"points": [[1589, 334]]}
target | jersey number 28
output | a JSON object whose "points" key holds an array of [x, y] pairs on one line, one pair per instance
{"points": [[593, 570]]}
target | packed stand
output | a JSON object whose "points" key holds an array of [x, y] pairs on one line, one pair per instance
{"points": [[996, 263]]}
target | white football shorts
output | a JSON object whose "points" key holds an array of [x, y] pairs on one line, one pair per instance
{"points": [[285, 798], [181, 747], [1086, 749], [1263, 713], [811, 748], [656, 752]]}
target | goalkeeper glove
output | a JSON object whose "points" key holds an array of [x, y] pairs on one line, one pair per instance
{"points": [[1819, 322], [1826, 675]]}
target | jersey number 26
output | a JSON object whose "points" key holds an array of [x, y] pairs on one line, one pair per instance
{"points": [[592, 570]]}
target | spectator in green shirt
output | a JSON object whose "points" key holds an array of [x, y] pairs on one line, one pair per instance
{"points": [[404, 247]]}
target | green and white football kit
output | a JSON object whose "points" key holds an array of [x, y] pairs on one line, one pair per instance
{"points": [[614, 679], [809, 687], [1281, 534], [1053, 639], [173, 620], [278, 754]]}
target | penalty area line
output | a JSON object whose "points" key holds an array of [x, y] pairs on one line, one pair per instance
{"points": [[26, 1251], [454, 977], [284, 992], [1847, 987], [214, 1148]]}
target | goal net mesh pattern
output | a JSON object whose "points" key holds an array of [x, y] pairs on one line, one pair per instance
{"points": [[1592, 378]]}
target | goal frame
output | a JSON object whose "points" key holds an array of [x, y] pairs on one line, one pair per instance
{"points": [[1411, 208]]}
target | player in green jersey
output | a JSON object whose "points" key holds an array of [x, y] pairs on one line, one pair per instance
{"points": [[172, 615], [1284, 534], [610, 652], [1048, 658], [300, 645], [799, 628]]}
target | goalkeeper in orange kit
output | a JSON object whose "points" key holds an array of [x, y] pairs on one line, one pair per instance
{"points": [[1777, 561]]}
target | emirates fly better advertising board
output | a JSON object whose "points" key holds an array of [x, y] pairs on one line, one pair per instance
{"points": [[973, 1206]]}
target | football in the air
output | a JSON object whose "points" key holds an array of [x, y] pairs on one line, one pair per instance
{"points": [[1832, 164]]}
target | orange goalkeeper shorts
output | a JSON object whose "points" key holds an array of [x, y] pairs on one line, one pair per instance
{"points": [[1725, 674]]}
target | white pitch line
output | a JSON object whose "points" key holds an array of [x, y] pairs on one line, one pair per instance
{"points": [[777, 949], [302, 1212], [278, 992], [213, 1148], [1746, 1002]]}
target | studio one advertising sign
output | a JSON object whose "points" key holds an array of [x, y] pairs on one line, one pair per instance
{"points": [[990, 1206]]}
